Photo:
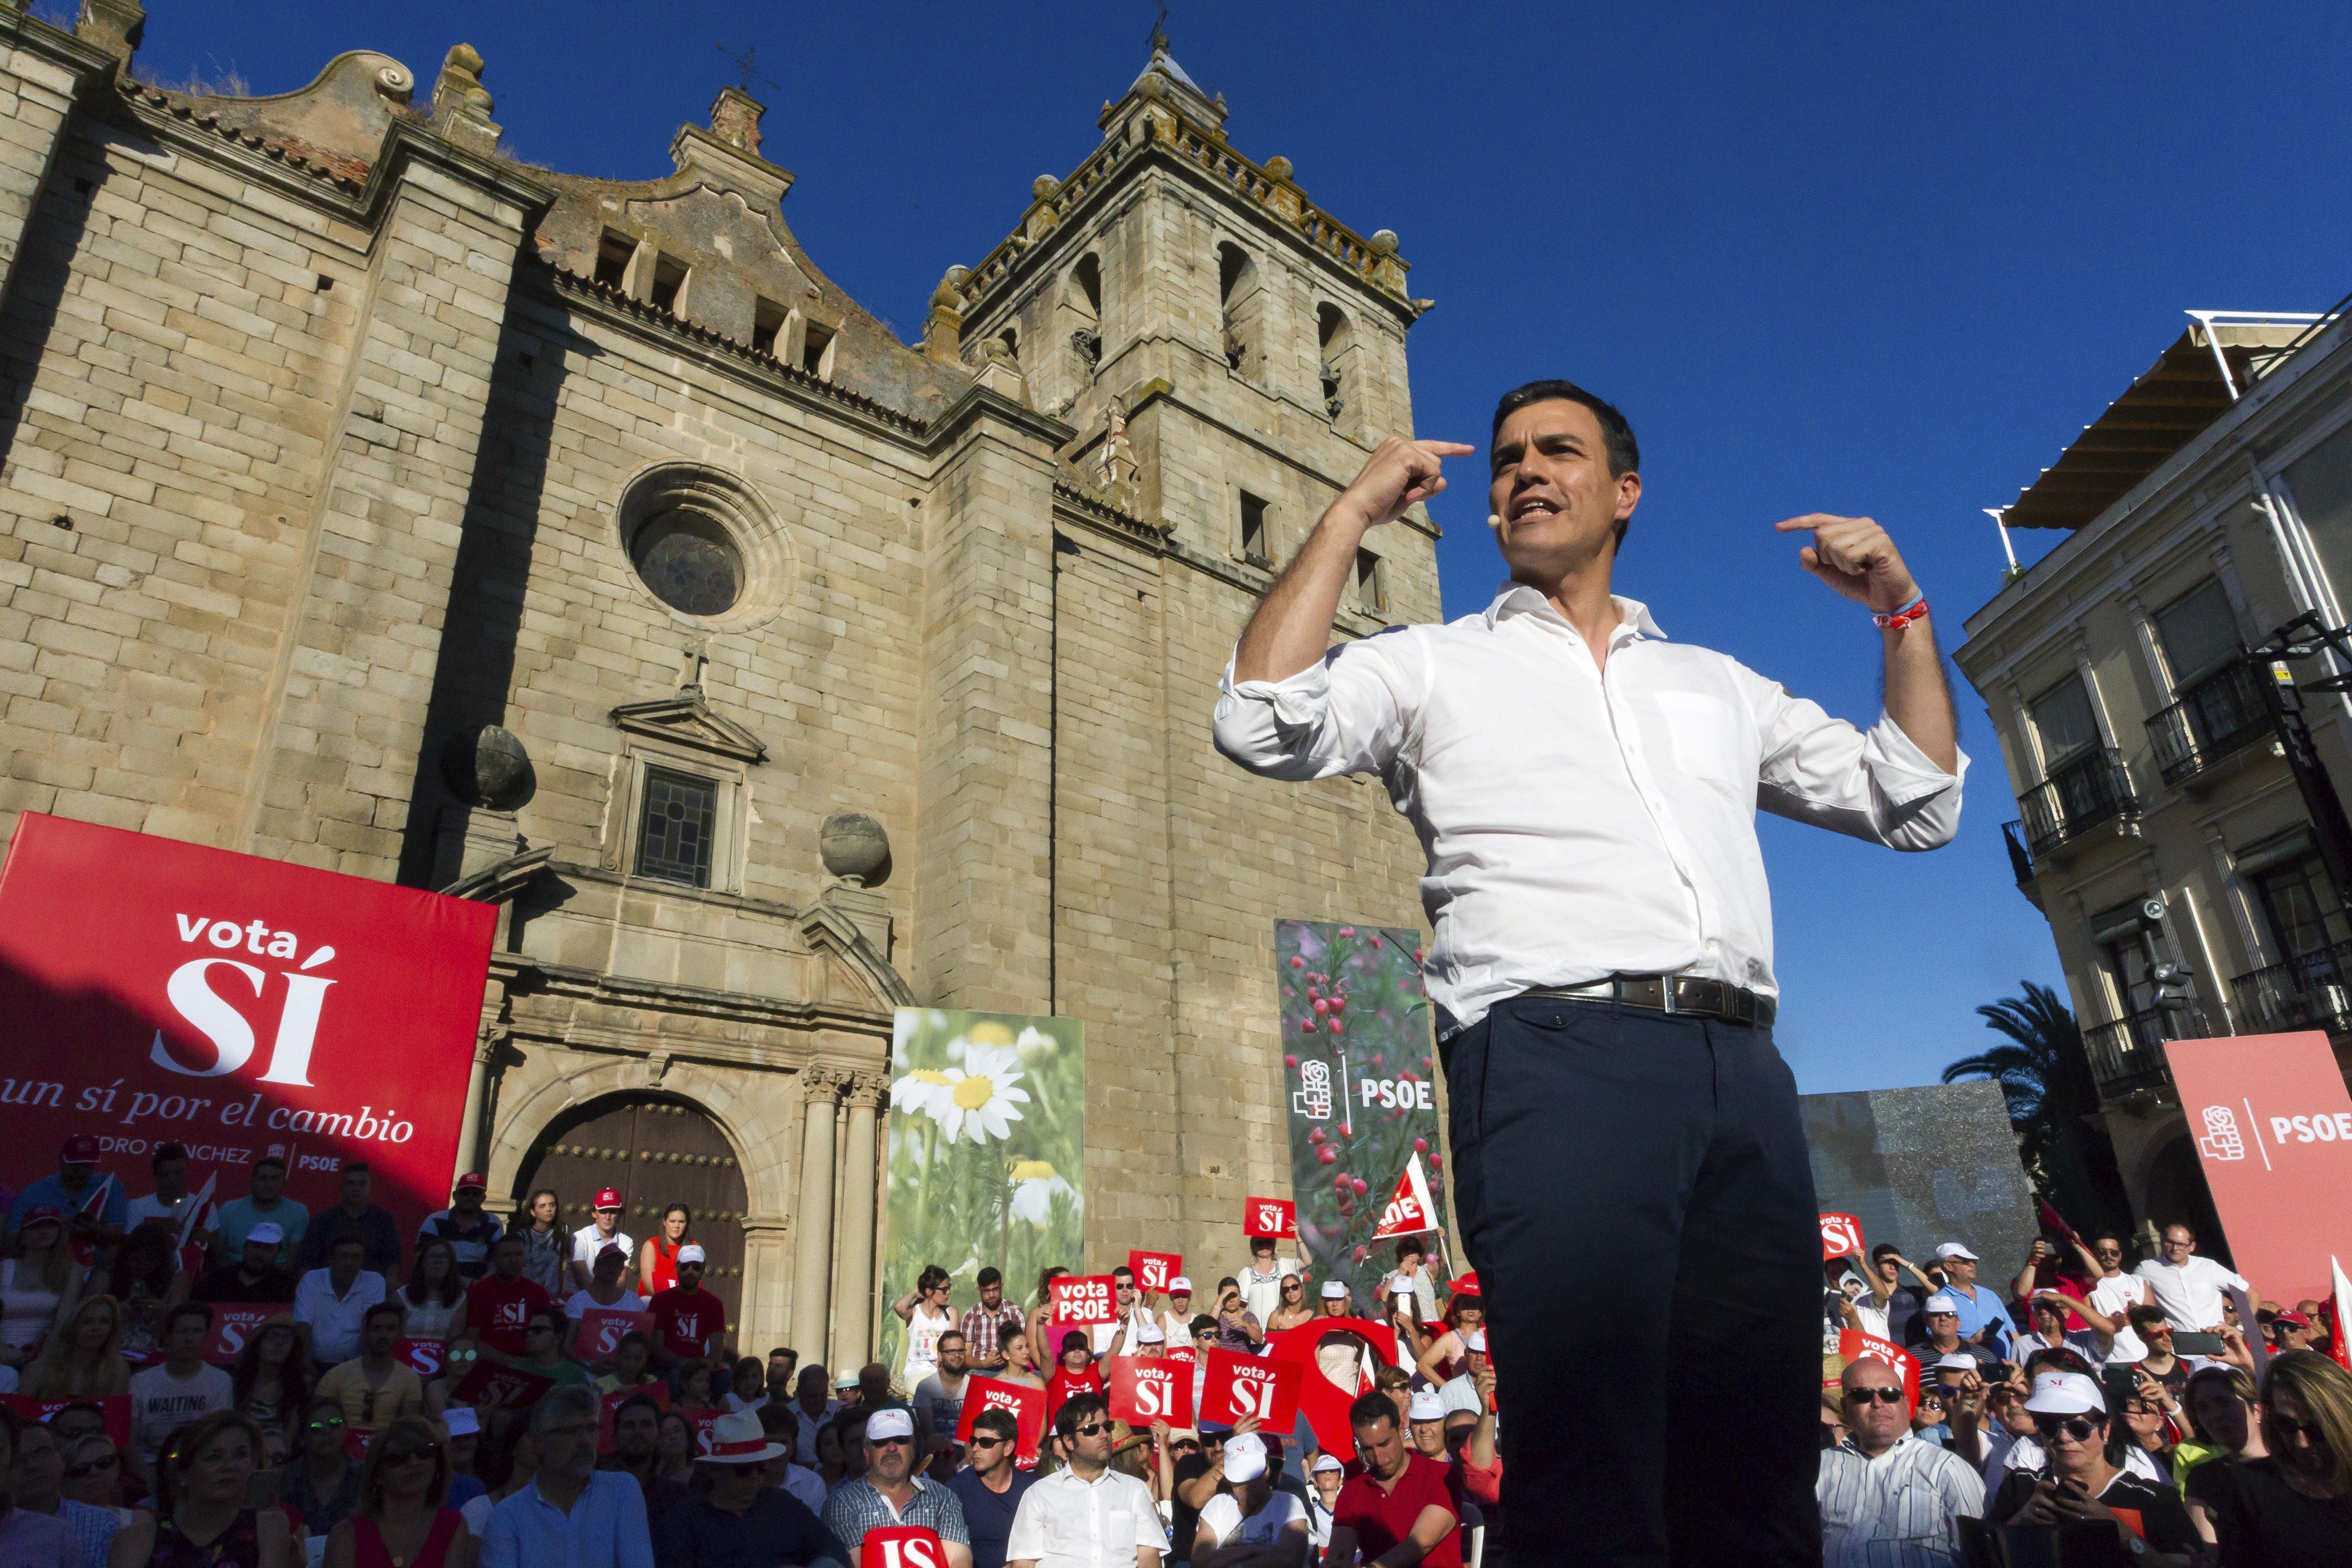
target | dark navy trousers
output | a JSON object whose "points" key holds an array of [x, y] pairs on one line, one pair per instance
{"points": [[1635, 1194]]}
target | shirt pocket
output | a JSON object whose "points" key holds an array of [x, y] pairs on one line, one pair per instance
{"points": [[1119, 1532], [1710, 742]]}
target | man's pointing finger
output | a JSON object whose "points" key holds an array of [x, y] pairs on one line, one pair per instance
{"points": [[1445, 448]]}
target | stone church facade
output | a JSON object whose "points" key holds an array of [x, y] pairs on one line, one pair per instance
{"points": [[376, 502]]}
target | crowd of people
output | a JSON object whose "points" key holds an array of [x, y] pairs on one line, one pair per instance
{"points": [[446, 1399]]}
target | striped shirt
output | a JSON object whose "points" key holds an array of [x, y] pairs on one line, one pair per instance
{"points": [[1895, 1511], [985, 1331]]}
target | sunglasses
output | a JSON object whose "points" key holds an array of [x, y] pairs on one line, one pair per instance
{"points": [[891, 1442], [95, 1467], [333, 1425], [1184, 1447], [2075, 1427], [979, 1441], [1089, 1429], [1877, 1396]]}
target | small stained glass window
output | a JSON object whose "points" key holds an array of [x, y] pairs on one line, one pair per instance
{"points": [[689, 563], [675, 838]]}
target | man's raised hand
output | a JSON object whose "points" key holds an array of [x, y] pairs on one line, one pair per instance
{"points": [[1853, 555], [1398, 474]]}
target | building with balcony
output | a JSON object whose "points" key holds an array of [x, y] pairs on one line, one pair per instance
{"points": [[2160, 828]]}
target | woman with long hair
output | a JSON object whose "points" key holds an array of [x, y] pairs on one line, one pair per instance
{"points": [[1020, 1360], [142, 1277], [38, 1287], [1292, 1309], [434, 1295], [201, 1520], [83, 1359], [657, 1257], [2292, 1508], [272, 1376], [546, 1244], [401, 1520]]}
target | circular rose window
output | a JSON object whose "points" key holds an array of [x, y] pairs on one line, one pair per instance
{"points": [[689, 562]]}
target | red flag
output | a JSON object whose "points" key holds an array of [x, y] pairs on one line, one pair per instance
{"points": [[1410, 1210], [1026, 1405], [2339, 1301]]}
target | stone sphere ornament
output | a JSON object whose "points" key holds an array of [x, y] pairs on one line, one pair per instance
{"points": [[488, 767], [855, 848]]}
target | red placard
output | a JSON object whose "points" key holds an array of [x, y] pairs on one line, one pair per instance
{"points": [[1181, 1355], [1277, 1218], [422, 1357], [1027, 1406], [233, 1322], [159, 991], [1853, 1344], [2273, 1130], [1152, 1270], [1321, 1401], [602, 1328], [902, 1546], [657, 1392], [115, 1408], [1080, 1300], [700, 1420], [1144, 1389], [492, 1386], [1840, 1237], [1244, 1385]]}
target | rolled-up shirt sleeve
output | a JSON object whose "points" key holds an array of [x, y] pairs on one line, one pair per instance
{"points": [[1873, 784], [1348, 712]]}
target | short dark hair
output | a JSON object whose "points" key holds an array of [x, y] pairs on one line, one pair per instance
{"points": [[1616, 434], [2146, 1315], [1203, 1323], [991, 1275], [955, 1334], [166, 1152], [1123, 1268], [270, 1160], [1411, 1246], [350, 1166], [1884, 1250], [784, 1350], [1077, 1408], [1370, 1410], [1000, 1422], [343, 1241], [381, 1308], [635, 1337], [186, 1309], [649, 1402]]}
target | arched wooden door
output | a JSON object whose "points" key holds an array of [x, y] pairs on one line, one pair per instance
{"points": [[657, 1152]]}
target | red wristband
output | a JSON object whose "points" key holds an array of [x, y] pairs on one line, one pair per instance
{"points": [[1916, 610]]}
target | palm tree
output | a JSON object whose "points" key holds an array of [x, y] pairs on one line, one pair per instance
{"points": [[2046, 1079]]}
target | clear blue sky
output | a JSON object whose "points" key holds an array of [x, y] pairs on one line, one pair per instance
{"points": [[1882, 259]]}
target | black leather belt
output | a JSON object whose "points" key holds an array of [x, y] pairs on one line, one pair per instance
{"points": [[1688, 993]]}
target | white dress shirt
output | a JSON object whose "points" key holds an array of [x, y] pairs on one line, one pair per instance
{"points": [[335, 1320], [1583, 821], [2191, 1294], [1895, 1511], [2116, 1295], [1065, 1522]]}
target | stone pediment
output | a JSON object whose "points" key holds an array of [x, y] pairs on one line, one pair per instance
{"points": [[689, 720]]}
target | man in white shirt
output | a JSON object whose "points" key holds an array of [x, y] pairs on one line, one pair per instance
{"points": [[2189, 1288], [1601, 971], [1086, 1515], [1261, 1282], [603, 1230], [1118, 1337], [333, 1301], [1252, 1525], [1886, 1497], [2114, 1293]]}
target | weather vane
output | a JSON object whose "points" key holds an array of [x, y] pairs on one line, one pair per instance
{"points": [[1159, 31], [746, 61]]}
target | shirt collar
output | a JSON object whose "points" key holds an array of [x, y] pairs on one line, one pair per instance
{"points": [[1518, 599]]}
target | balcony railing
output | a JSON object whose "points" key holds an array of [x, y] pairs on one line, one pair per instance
{"points": [[2219, 715], [2310, 992], [2128, 1054], [2090, 788]]}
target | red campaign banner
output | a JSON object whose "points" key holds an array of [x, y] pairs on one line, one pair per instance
{"points": [[657, 1392], [1411, 1211], [700, 1420], [1181, 1355], [1027, 1406], [493, 1386], [1840, 1237], [1144, 1389], [602, 1328], [2273, 1128], [115, 1408], [1152, 1270], [902, 1546], [1245, 1386], [1853, 1344], [157, 992], [1321, 1401], [422, 1357], [1277, 1218], [234, 1322], [1080, 1300], [355, 1443]]}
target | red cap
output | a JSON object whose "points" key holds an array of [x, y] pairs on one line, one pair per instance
{"points": [[42, 1214], [474, 1179], [1465, 1284], [608, 1198], [81, 1149], [2295, 1317]]}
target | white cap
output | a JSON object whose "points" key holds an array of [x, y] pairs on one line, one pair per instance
{"points": [[1476, 1342], [1955, 1249], [1957, 1362], [1425, 1406], [1334, 1290], [2065, 1393], [1150, 1334], [890, 1421], [1325, 1461], [1244, 1457], [459, 1422], [1939, 1303], [267, 1231], [1180, 1285], [690, 1253]]}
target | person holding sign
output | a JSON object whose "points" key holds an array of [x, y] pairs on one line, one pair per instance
{"points": [[991, 1487], [890, 1493], [1602, 975], [1252, 1526], [1086, 1515], [1076, 1375]]}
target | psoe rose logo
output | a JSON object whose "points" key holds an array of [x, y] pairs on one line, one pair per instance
{"points": [[2222, 1140]]}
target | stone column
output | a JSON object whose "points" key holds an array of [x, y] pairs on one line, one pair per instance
{"points": [[812, 1256], [473, 1137], [854, 1335]]}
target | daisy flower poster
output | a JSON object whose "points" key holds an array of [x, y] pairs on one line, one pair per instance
{"points": [[987, 1140]]}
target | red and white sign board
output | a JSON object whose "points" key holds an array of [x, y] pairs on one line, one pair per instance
{"points": [[2273, 1129], [422, 1357], [602, 1328], [902, 1546], [1239, 1386], [160, 992], [1410, 1210], [1853, 1344], [1840, 1237], [1154, 1269], [115, 1408], [234, 1322], [1323, 1402], [1026, 1405], [1277, 1218], [1144, 1389], [490, 1386], [1081, 1299]]}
